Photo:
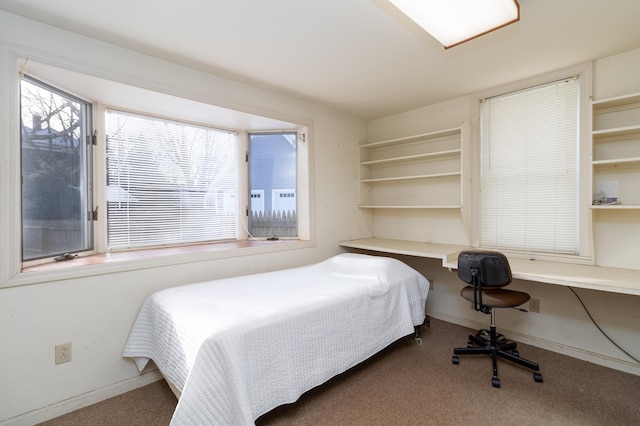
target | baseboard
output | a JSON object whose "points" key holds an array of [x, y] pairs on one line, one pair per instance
{"points": [[593, 357], [81, 401]]}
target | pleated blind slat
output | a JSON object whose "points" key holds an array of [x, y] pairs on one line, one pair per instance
{"points": [[168, 182], [529, 159]]}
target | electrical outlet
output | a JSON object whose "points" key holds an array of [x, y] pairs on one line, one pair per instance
{"points": [[534, 305], [432, 285], [63, 353]]}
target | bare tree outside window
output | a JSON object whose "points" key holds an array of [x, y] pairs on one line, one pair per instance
{"points": [[169, 182], [55, 177]]}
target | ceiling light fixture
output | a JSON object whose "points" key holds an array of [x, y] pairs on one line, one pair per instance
{"points": [[453, 22]]}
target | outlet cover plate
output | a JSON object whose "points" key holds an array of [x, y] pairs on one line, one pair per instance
{"points": [[63, 353]]}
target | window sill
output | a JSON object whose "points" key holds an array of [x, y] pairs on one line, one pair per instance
{"points": [[106, 263]]}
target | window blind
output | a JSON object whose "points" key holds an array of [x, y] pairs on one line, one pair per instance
{"points": [[168, 182], [529, 163]]}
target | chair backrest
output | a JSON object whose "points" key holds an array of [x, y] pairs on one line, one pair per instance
{"points": [[491, 268]]}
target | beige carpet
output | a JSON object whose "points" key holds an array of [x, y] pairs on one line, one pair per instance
{"points": [[407, 384]]}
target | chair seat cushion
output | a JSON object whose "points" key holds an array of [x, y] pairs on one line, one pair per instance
{"points": [[497, 298]]}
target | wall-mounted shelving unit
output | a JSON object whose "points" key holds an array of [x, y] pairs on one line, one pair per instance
{"points": [[615, 169], [422, 171], [616, 151]]}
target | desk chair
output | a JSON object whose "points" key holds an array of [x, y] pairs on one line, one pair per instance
{"points": [[487, 272]]}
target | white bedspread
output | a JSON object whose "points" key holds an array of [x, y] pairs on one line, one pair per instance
{"points": [[237, 348]]}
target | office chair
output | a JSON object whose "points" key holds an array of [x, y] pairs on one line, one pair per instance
{"points": [[487, 272]]}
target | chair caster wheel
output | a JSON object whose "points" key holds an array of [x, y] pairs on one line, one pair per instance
{"points": [[537, 377], [455, 360], [495, 382], [515, 353]]}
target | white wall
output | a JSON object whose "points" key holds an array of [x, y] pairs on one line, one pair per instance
{"points": [[96, 313], [562, 324]]}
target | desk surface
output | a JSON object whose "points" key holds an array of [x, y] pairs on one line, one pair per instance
{"points": [[614, 280]]}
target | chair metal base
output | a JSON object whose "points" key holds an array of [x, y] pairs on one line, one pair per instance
{"points": [[496, 348]]}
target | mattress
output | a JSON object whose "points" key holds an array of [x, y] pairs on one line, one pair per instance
{"points": [[236, 348]]}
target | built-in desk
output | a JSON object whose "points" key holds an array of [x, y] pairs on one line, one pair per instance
{"points": [[448, 253], [614, 280]]}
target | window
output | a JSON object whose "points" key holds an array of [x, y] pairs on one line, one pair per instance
{"points": [[272, 172], [56, 172], [529, 178], [176, 172], [169, 182], [64, 187]]}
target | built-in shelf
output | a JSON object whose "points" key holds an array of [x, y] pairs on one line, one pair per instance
{"points": [[454, 207], [616, 102], [414, 138], [615, 161], [422, 171], [617, 131], [411, 177], [416, 179], [616, 207], [615, 164], [411, 158]]}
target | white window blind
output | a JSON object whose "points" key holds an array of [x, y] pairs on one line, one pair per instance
{"points": [[529, 179], [168, 182]]}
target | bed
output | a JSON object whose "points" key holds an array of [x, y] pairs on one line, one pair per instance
{"points": [[233, 349]]}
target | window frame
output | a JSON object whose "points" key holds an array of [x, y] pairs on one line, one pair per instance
{"points": [[54, 70], [87, 158], [300, 137], [585, 246]]}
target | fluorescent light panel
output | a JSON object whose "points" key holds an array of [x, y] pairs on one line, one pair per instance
{"points": [[453, 22]]}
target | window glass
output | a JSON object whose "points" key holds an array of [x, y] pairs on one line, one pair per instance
{"points": [[529, 169], [272, 175], [56, 172], [169, 182]]}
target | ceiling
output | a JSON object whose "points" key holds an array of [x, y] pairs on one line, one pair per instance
{"points": [[360, 57]]}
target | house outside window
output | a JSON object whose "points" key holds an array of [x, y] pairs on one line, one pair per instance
{"points": [[272, 174], [257, 201], [283, 200]]}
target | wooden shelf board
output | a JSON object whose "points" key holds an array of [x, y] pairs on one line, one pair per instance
{"points": [[430, 135], [615, 207], [411, 157], [412, 177], [629, 160], [616, 101], [617, 131], [363, 206]]}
